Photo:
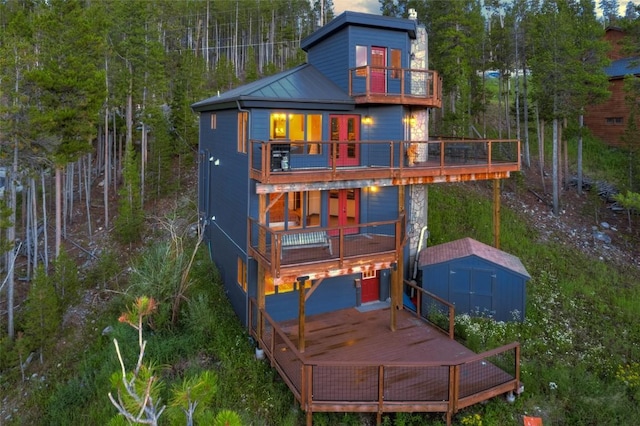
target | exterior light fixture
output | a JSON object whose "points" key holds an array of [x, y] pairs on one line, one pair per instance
{"points": [[367, 120], [410, 119]]}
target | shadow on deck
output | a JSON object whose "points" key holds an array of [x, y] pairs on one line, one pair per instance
{"points": [[353, 362]]}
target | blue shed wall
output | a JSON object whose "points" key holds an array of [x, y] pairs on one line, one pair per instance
{"points": [[508, 289]]}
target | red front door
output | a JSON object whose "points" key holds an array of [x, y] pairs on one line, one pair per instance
{"points": [[378, 70], [344, 209], [370, 287], [345, 128]]}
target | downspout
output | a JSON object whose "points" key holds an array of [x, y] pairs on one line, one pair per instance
{"points": [[417, 256]]}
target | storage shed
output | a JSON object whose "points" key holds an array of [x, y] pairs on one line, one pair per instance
{"points": [[478, 279]]}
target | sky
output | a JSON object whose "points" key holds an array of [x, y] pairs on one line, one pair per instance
{"points": [[373, 6]]}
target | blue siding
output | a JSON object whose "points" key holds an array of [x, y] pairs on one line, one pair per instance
{"points": [[225, 253], [336, 55], [332, 58], [332, 294]]}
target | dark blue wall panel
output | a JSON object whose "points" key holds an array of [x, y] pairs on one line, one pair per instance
{"points": [[333, 294]]}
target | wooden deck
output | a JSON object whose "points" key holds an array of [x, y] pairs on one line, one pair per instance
{"points": [[442, 161], [353, 362]]}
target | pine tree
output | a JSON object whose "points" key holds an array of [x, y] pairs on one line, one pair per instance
{"points": [[42, 315], [130, 220]]}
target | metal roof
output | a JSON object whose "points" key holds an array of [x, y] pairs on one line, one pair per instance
{"points": [[466, 247], [622, 67], [302, 86], [359, 19]]}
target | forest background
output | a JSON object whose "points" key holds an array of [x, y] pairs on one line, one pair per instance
{"points": [[95, 111]]}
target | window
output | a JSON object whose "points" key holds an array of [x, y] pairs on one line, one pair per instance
{"points": [[243, 119], [396, 63], [278, 126], [214, 121], [615, 121], [270, 288], [314, 134], [361, 61], [242, 274], [298, 128], [296, 132]]}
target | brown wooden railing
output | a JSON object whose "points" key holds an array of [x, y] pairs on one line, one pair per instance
{"points": [[347, 244], [303, 162], [433, 309], [356, 386], [373, 84]]}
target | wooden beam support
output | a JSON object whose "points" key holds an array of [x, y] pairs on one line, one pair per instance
{"points": [[262, 244], [301, 314], [496, 213]]}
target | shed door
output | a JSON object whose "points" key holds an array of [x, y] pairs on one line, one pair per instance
{"points": [[471, 290]]}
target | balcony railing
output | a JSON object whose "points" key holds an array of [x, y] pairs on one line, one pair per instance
{"points": [[363, 385], [376, 243], [279, 162], [371, 84]]}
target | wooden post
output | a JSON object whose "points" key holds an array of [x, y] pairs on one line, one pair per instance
{"points": [[393, 293], [400, 274], [301, 316], [496, 213]]}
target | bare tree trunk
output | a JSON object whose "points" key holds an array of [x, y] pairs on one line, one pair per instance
{"points": [[565, 144], [580, 125], [11, 237], [107, 168], [540, 125], [58, 210], [556, 144], [45, 232], [87, 189]]}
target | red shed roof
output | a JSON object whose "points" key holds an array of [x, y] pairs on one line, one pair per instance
{"points": [[469, 247]]}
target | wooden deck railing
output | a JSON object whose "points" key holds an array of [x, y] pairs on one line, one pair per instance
{"points": [[348, 244], [406, 86], [286, 162], [360, 386], [433, 309]]}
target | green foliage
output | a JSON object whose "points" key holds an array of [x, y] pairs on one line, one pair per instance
{"points": [[629, 200], [227, 418], [66, 280], [104, 270], [192, 398], [130, 220], [70, 82], [161, 153], [42, 315]]}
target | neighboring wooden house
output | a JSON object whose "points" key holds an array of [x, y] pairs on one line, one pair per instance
{"points": [[477, 279], [310, 180], [608, 120]]}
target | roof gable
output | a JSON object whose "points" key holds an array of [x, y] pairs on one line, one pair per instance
{"points": [[466, 247], [359, 19], [622, 67], [303, 84]]}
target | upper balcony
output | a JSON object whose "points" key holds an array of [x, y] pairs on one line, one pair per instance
{"points": [[385, 85], [280, 166]]}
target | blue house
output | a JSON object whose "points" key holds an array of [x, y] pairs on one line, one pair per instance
{"points": [[311, 190]]}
